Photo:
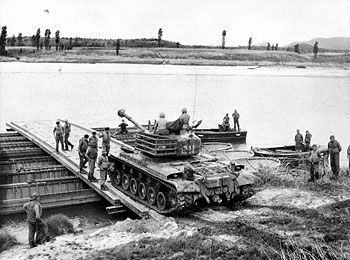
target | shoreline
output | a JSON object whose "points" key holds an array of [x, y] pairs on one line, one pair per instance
{"points": [[182, 56]]}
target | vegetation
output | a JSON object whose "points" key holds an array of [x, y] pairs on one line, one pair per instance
{"points": [[7, 241], [59, 224]]}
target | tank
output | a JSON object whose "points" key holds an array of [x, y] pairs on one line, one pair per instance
{"points": [[169, 174]]}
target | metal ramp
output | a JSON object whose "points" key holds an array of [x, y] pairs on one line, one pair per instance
{"points": [[41, 133]]}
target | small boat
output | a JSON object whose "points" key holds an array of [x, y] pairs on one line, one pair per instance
{"points": [[286, 154], [215, 147], [255, 163], [217, 135], [231, 154]]}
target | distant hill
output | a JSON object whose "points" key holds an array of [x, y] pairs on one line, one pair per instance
{"points": [[332, 43]]}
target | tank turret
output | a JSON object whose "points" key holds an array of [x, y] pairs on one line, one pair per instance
{"points": [[156, 145]]}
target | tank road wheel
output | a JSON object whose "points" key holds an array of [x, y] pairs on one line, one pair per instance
{"points": [[133, 186], [151, 195], [142, 191], [118, 177], [125, 181], [161, 201]]}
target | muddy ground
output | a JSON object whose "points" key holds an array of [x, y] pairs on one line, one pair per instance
{"points": [[287, 218]]}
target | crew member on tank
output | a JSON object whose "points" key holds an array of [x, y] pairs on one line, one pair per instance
{"points": [[185, 119], [298, 141], [106, 140], [123, 126], [160, 127], [226, 122]]}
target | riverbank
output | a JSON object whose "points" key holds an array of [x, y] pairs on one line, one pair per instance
{"points": [[181, 56], [287, 219]]}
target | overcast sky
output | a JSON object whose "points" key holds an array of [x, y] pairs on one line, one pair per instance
{"points": [[186, 21]]}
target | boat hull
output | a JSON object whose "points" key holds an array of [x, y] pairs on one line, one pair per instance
{"points": [[214, 135]]}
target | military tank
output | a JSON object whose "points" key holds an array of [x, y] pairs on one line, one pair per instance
{"points": [[169, 174]]}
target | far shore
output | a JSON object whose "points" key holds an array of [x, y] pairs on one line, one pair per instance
{"points": [[181, 56]]}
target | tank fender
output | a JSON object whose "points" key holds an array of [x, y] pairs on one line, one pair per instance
{"points": [[245, 178]]}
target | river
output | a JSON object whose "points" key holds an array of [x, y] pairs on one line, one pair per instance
{"points": [[273, 102]]}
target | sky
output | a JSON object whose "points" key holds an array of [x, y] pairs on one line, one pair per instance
{"points": [[186, 21]]}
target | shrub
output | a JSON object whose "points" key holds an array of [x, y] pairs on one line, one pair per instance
{"points": [[59, 224], [7, 241]]}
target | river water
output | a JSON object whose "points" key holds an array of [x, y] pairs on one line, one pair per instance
{"points": [[272, 102]]}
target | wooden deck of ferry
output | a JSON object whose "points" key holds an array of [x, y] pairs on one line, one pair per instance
{"points": [[41, 134]]}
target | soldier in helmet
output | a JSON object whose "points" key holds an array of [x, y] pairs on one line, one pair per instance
{"points": [[185, 119], [334, 150], [103, 164], [298, 141], [226, 123], [314, 160], [160, 127]]}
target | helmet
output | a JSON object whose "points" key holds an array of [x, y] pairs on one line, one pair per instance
{"points": [[161, 115], [34, 196], [184, 110]]}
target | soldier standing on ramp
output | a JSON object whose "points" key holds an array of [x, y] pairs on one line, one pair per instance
{"points": [[103, 164], [67, 129], [106, 140], [58, 134], [82, 148], [91, 154]]}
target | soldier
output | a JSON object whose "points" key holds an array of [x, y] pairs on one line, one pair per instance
{"points": [[314, 160], [36, 224], [185, 119], [308, 136], [103, 164], [58, 134], [298, 141], [349, 155], [334, 149], [66, 131], [117, 47], [315, 49], [106, 140], [160, 127], [123, 126], [226, 123], [82, 148], [91, 154], [235, 116]]}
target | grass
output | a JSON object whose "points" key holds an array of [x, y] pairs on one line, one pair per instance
{"points": [[181, 56], [59, 224], [7, 241]]}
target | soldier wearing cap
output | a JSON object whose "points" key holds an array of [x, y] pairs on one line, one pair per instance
{"points": [[314, 160], [58, 134], [36, 224], [66, 131], [298, 141], [106, 140], [185, 119], [334, 149], [82, 148], [103, 164], [91, 154]]}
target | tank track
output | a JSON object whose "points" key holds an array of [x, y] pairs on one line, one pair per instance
{"points": [[169, 201]]}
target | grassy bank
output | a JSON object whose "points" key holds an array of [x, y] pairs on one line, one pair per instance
{"points": [[181, 56]]}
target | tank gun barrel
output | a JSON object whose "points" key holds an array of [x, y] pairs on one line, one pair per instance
{"points": [[121, 113]]}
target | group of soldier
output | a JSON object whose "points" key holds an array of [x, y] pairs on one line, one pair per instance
{"points": [[333, 149], [226, 122]]}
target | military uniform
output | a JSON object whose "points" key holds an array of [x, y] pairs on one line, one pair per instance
{"points": [[314, 160], [58, 132], [35, 224], [235, 116], [91, 154], [334, 150], [226, 123], [82, 148], [298, 142], [103, 164], [307, 141], [66, 131], [106, 141]]}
